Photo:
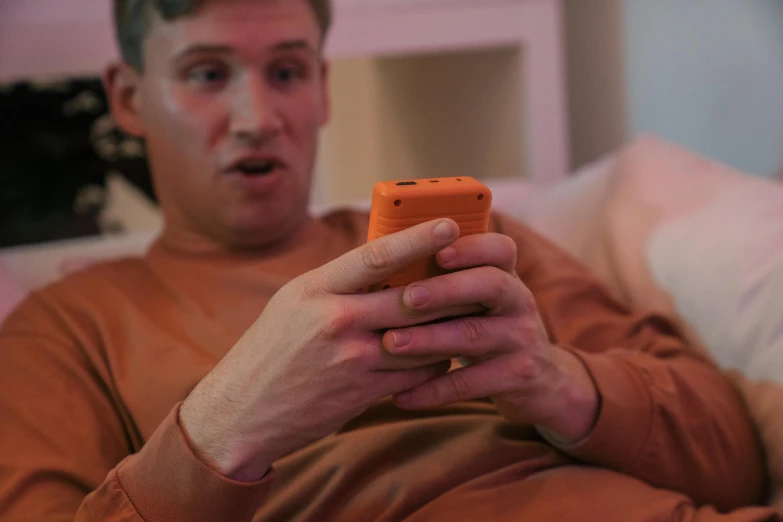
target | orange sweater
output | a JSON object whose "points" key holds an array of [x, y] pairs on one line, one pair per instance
{"points": [[93, 369]]}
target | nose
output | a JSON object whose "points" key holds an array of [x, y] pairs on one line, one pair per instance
{"points": [[254, 119]]}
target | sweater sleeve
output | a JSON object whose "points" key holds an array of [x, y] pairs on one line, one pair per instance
{"points": [[667, 415], [165, 481], [66, 450]]}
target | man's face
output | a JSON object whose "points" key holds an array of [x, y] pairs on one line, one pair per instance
{"points": [[230, 103]]}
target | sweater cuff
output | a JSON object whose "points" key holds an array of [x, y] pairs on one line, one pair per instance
{"points": [[166, 481], [625, 419]]}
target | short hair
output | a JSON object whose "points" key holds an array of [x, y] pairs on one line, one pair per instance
{"points": [[132, 21]]}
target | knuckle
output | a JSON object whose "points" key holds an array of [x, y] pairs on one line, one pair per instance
{"points": [[517, 335], [408, 245], [508, 244], [497, 282], [296, 293], [459, 385], [376, 256], [342, 320], [526, 370], [351, 355], [308, 287], [524, 333], [528, 301], [339, 317], [472, 330]]}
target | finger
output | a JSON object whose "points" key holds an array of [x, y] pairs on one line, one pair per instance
{"points": [[375, 261], [489, 287], [472, 336], [394, 382], [368, 346], [475, 250], [478, 381], [389, 362], [385, 309]]}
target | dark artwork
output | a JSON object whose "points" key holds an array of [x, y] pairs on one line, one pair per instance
{"points": [[58, 144]]}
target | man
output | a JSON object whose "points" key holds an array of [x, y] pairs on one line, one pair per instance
{"points": [[236, 372]]}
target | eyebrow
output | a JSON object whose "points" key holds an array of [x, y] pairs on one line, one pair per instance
{"points": [[293, 45], [288, 45]]}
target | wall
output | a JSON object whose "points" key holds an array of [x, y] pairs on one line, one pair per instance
{"points": [[431, 115], [52, 38], [708, 74], [596, 78]]}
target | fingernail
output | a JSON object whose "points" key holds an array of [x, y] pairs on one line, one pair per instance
{"points": [[417, 296], [443, 231], [401, 338], [447, 254]]}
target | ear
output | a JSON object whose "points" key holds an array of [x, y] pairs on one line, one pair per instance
{"points": [[325, 98], [122, 83]]}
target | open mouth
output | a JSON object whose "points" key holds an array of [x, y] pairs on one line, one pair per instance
{"points": [[255, 168]]}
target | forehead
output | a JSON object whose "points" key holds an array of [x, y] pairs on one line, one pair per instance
{"points": [[245, 26]]}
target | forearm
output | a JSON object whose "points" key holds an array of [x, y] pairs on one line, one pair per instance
{"points": [[673, 423]]}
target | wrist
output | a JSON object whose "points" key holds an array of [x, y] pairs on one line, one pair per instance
{"points": [[576, 402], [214, 448]]}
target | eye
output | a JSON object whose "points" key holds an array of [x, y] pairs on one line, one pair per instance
{"points": [[287, 74], [208, 76]]}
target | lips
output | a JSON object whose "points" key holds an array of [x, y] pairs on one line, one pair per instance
{"points": [[256, 175], [255, 166]]}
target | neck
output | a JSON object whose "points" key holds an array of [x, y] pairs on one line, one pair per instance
{"points": [[189, 241]]}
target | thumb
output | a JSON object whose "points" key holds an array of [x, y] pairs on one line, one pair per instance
{"points": [[375, 261]]}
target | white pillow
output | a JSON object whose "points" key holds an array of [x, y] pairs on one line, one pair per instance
{"points": [[34, 266], [723, 266], [568, 212]]}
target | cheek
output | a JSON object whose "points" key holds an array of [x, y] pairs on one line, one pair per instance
{"points": [[306, 114], [184, 122]]}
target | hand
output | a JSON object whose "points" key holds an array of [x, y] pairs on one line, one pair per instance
{"points": [[530, 380], [313, 360]]}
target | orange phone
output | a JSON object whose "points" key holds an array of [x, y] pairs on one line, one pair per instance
{"points": [[397, 205]]}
